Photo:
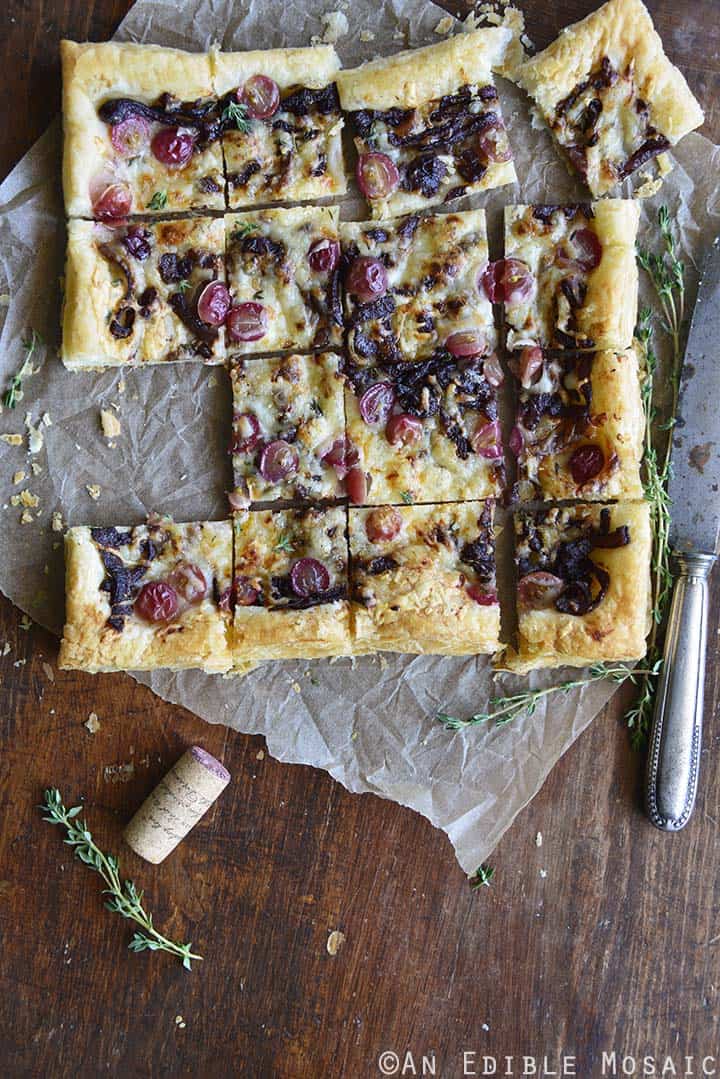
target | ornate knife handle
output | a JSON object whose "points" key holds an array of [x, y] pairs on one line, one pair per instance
{"points": [[674, 756]]}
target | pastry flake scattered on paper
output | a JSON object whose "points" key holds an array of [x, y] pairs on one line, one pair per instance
{"points": [[368, 722]]}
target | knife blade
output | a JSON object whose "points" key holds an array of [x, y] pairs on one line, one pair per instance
{"points": [[694, 492], [694, 486]]}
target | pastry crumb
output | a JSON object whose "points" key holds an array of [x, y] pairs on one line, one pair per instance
{"points": [[12, 439], [367, 35], [118, 773], [6, 649], [49, 672], [35, 468], [111, 426], [92, 723], [25, 623], [56, 522], [36, 439], [18, 477], [94, 490], [335, 942], [335, 26], [260, 755], [543, 873], [538, 840], [444, 26]]}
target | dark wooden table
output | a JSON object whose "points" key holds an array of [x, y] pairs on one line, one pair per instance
{"points": [[605, 938]]}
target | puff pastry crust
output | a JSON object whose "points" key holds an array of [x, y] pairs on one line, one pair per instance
{"points": [[430, 587], [295, 155], [291, 406], [96, 73], [129, 293], [105, 570], [425, 110], [573, 305], [432, 265], [616, 629], [578, 403], [615, 57], [425, 432], [290, 258], [273, 621]]}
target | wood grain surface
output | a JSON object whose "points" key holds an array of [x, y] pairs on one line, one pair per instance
{"points": [[605, 938]]}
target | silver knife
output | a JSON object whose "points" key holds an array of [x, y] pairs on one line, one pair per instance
{"points": [[674, 755]]}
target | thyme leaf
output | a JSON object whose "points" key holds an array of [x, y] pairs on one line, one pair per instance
{"points": [[124, 897], [482, 876], [236, 113], [158, 201], [14, 392]]}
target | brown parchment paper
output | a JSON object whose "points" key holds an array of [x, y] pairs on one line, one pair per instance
{"points": [[369, 723]]}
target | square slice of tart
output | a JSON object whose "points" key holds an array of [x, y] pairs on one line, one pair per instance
{"points": [[142, 131], [156, 595], [283, 269], [427, 123], [583, 585], [290, 590], [423, 579], [580, 425], [609, 94], [145, 293], [288, 438], [424, 432], [282, 136], [412, 284], [569, 278]]}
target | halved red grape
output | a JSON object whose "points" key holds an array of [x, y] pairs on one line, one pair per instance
{"points": [[383, 524], [261, 97], [377, 175], [130, 136], [157, 601], [588, 249], [492, 369], [507, 281], [367, 279], [214, 303], [586, 463], [466, 343], [113, 203], [377, 402], [246, 432], [278, 460], [173, 146], [247, 322], [531, 365], [403, 429], [189, 582], [308, 577], [356, 485], [494, 145], [539, 589], [244, 592], [340, 455], [486, 441], [324, 255], [516, 442], [486, 597]]}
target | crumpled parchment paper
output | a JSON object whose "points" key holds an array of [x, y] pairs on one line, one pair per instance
{"points": [[369, 723]]}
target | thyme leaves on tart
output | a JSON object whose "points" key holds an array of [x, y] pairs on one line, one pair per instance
{"points": [[235, 115], [123, 895], [158, 201]]}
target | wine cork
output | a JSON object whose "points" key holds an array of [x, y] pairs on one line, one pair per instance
{"points": [[176, 805]]}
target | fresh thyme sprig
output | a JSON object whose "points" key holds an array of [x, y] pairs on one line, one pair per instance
{"points": [[482, 876], [667, 275], [13, 394], [244, 229], [504, 709], [236, 113], [124, 898]]}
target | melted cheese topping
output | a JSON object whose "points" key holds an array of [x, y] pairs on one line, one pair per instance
{"points": [[298, 399], [431, 469], [156, 188], [287, 157], [279, 275], [158, 334], [433, 265]]}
